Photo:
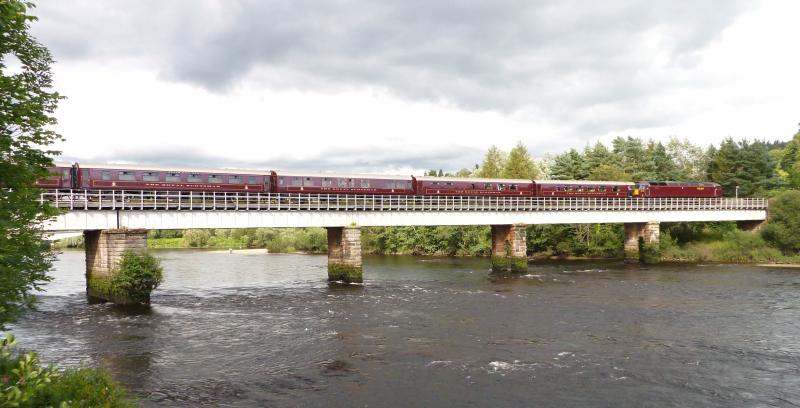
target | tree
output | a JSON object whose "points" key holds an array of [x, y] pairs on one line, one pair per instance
{"points": [[568, 166], [27, 103], [784, 222], [520, 165], [493, 163], [690, 160]]}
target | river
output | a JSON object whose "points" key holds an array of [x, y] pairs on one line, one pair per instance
{"points": [[244, 330]]}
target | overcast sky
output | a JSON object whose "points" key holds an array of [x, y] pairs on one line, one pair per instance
{"points": [[398, 86]]}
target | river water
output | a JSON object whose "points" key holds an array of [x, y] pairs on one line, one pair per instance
{"points": [[246, 330]]}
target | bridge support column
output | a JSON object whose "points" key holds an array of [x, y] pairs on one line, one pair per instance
{"points": [[646, 233], [104, 249], [344, 254], [509, 248]]}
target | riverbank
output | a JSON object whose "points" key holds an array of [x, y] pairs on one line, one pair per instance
{"points": [[719, 243]]}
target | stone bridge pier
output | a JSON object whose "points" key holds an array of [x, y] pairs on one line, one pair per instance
{"points": [[509, 248], [344, 254], [104, 249], [644, 232]]}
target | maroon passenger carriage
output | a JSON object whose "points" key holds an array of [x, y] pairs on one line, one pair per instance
{"points": [[131, 177], [583, 188], [472, 186], [287, 182]]}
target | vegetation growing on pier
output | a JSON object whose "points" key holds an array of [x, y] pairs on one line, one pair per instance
{"points": [[132, 280]]}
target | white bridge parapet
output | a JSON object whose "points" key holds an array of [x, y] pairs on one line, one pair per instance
{"points": [[94, 209]]}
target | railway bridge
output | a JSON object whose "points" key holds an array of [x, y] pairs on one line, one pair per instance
{"points": [[113, 221]]}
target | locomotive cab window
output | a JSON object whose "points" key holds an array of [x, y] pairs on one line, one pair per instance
{"points": [[105, 175], [150, 176], [235, 179], [126, 176], [194, 178], [214, 178], [173, 177]]}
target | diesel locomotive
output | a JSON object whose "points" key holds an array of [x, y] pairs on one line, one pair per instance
{"points": [[130, 177]]}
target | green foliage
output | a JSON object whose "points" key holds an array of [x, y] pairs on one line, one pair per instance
{"points": [[137, 275], [731, 246], [25, 383], [134, 278], [441, 240], [493, 163], [745, 165], [345, 273], [650, 253], [27, 104], [196, 238], [783, 228], [74, 242], [519, 164]]}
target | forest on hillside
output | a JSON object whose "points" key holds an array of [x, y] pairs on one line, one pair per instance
{"points": [[757, 168]]}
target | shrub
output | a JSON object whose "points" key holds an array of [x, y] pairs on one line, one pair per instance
{"points": [[197, 238], [784, 222], [137, 275], [25, 383]]}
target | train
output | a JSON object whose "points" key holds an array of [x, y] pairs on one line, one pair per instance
{"points": [[130, 177]]}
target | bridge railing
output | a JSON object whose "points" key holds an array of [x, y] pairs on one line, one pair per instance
{"points": [[244, 201]]}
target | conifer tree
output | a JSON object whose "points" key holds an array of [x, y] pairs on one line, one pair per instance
{"points": [[493, 163], [520, 165]]}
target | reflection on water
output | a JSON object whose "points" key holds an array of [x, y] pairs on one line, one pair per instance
{"points": [[267, 330]]}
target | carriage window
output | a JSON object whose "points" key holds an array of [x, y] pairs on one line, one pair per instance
{"points": [[501, 187], [150, 176], [251, 179], [235, 179], [105, 175], [568, 188], [214, 178], [616, 189], [473, 186], [513, 187], [590, 188], [296, 182], [280, 181], [326, 182], [126, 176], [449, 184], [487, 186], [364, 183], [307, 182], [194, 178], [173, 177]]}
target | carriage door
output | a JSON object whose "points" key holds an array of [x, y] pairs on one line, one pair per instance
{"points": [[641, 190]]}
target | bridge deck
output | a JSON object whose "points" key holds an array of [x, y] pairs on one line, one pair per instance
{"points": [[93, 209], [216, 201]]}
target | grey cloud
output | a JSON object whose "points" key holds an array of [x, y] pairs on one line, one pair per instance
{"points": [[365, 159], [560, 58]]}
